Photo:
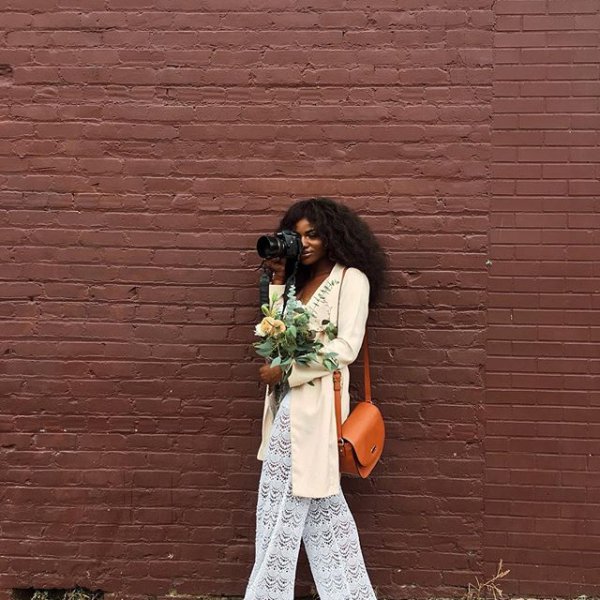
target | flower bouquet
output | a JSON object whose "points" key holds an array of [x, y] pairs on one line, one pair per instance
{"points": [[287, 338]]}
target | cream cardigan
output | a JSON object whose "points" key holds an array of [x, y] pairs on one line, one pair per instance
{"points": [[315, 463]]}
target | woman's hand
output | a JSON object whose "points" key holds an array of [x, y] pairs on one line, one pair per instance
{"points": [[270, 375], [277, 265]]}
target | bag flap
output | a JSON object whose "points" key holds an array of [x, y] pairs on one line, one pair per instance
{"points": [[365, 430]]}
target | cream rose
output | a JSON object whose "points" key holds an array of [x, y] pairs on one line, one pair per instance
{"points": [[270, 326]]}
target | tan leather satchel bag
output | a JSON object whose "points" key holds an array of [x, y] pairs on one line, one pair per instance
{"points": [[362, 435]]}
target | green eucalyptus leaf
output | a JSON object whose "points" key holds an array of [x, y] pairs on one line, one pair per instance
{"points": [[265, 347], [330, 363]]}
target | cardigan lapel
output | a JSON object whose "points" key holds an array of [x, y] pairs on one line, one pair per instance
{"points": [[321, 293]]}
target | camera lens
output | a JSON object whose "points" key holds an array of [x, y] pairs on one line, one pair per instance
{"points": [[269, 246]]}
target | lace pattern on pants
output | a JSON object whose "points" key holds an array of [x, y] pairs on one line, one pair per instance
{"points": [[325, 525]]}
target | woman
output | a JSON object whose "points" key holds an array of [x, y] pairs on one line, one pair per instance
{"points": [[340, 273]]}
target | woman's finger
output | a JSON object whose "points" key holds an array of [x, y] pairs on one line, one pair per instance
{"points": [[277, 264]]}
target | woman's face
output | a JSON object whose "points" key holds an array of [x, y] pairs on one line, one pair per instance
{"points": [[313, 247]]}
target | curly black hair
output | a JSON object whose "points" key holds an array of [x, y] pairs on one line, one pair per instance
{"points": [[346, 237]]}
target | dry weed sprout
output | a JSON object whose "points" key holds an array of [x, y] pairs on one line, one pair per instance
{"points": [[74, 594], [487, 589], [80, 594]]}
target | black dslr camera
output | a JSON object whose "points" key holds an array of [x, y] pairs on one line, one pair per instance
{"points": [[284, 244]]}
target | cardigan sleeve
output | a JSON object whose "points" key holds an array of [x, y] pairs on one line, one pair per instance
{"points": [[352, 320], [276, 294]]}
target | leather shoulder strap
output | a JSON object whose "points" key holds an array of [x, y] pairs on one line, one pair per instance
{"points": [[367, 368]]}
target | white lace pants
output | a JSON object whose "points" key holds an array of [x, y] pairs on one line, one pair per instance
{"points": [[324, 524]]}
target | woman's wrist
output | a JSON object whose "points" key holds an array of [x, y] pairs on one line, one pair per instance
{"points": [[277, 280]]}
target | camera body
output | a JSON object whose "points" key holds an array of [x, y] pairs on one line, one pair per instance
{"points": [[284, 244]]}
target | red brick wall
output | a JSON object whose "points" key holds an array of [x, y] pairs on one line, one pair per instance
{"points": [[542, 501], [146, 144]]}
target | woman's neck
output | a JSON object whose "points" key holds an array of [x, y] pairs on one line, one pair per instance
{"points": [[322, 268]]}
